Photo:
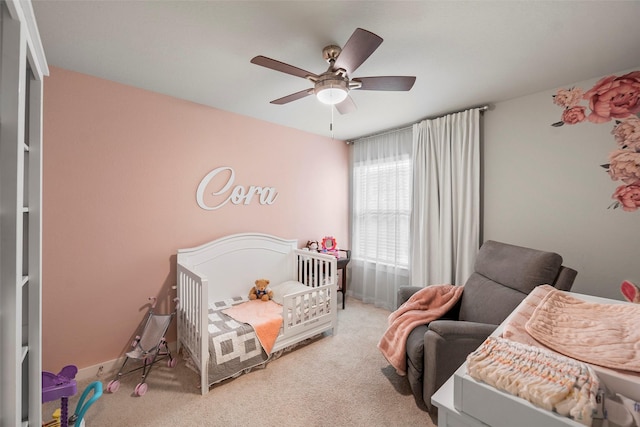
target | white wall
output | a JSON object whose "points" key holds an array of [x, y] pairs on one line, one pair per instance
{"points": [[544, 188]]}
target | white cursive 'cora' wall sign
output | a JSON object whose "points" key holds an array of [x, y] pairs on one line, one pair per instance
{"points": [[228, 193]]}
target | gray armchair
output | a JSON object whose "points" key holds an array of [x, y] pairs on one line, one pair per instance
{"points": [[503, 276]]}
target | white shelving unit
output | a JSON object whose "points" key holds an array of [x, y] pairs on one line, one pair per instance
{"points": [[22, 68]]}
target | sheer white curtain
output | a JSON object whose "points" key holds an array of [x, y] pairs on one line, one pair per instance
{"points": [[445, 213], [381, 210]]}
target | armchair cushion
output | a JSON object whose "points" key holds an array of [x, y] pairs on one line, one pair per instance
{"points": [[516, 267], [505, 273]]}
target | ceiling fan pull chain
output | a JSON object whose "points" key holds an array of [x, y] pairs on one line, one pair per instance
{"points": [[331, 124]]}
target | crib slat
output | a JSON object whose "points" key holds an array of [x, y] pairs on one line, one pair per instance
{"points": [[192, 315]]}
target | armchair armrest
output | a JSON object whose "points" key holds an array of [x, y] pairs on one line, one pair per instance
{"points": [[447, 343], [457, 329], [405, 292], [565, 279]]}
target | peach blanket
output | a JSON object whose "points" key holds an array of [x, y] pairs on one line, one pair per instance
{"points": [[264, 316], [602, 334], [424, 306]]}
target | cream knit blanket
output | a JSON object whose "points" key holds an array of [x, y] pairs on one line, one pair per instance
{"points": [[544, 378], [602, 334]]}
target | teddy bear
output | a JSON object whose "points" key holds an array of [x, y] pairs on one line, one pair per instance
{"points": [[261, 290]]}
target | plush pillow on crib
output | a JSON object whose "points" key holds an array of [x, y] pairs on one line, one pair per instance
{"points": [[286, 288]]}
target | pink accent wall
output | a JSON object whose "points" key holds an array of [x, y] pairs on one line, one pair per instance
{"points": [[121, 169]]}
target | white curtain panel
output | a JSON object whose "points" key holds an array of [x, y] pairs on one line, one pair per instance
{"points": [[445, 211], [381, 211]]}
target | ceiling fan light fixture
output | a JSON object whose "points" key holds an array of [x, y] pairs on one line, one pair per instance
{"points": [[331, 95], [331, 88]]}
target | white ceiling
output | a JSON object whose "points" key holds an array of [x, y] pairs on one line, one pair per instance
{"points": [[464, 53]]}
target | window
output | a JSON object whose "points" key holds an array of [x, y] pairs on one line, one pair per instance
{"points": [[382, 211]]}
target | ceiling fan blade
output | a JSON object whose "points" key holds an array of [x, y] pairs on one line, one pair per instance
{"points": [[282, 67], [386, 82], [358, 48], [347, 106], [292, 97]]}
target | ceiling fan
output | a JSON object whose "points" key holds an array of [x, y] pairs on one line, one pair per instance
{"points": [[333, 86]]}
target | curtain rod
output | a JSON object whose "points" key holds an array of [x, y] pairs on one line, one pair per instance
{"points": [[482, 109]]}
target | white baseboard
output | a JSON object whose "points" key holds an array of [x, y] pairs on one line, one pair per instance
{"points": [[105, 371]]}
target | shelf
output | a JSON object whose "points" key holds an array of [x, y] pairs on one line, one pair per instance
{"points": [[25, 350], [25, 209], [25, 147], [25, 280]]}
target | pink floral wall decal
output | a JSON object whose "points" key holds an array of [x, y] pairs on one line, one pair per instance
{"points": [[612, 98]]}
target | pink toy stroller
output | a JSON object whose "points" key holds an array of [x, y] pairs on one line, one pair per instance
{"points": [[149, 347]]}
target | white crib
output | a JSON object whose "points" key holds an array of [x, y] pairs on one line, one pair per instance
{"points": [[227, 267]]}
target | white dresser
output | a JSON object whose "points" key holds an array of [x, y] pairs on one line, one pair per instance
{"points": [[465, 402]]}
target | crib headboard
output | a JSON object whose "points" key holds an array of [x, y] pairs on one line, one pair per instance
{"points": [[233, 263]]}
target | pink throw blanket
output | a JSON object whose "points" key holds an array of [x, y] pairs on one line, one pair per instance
{"points": [[264, 316], [424, 306]]}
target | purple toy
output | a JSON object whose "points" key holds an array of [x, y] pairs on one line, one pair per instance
{"points": [[60, 386]]}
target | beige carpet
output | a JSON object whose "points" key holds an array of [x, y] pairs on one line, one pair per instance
{"points": [[339, 380]]}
